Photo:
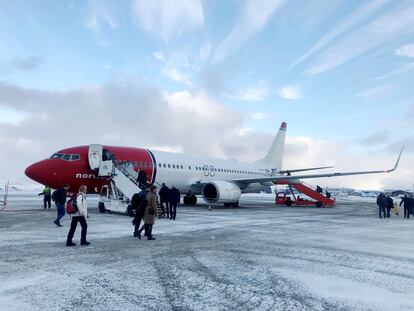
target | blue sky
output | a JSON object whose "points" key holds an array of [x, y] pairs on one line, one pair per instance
{"points": [[336, 71]]}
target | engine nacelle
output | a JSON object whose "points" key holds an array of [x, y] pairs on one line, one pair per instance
{"points": [[221, 192]]}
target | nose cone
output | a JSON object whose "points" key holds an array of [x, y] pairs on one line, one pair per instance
{"points": [[35, 171]]}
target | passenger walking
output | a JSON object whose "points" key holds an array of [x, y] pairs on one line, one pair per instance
{"points": [[164, 194], [60, 201], [175, 197], [79, 216], [47, 197], [151, 212], [390, 205], [382, 204], [138, 203], [407, 205]]}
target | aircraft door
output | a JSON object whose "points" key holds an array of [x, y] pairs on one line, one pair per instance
{"points": [[95, 156], [212, 171]]}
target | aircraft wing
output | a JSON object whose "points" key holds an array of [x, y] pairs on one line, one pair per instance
{"points": [[295, 177], [304, 169]]}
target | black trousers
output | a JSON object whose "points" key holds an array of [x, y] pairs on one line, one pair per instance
{"points": [[173, 207], [166, 207], [74, 223], [148, 230], [46, 201], [137, 224], [388, 212], [382, 210], [406, 212]]}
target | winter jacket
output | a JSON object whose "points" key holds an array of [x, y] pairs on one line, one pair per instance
{"points": [[149, 218], [382, 201], [390, 202], [406, 201], [164, 194], [60, 196], [82, 205], [174, 195]]}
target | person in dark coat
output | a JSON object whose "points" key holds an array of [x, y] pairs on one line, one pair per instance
{"points": [[174, 200], [164, 194], [390, 205], [407, 205], [142, 180], [138, 203], [382, 204], [60, 201]]}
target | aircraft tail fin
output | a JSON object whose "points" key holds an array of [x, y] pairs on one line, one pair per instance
{"points": [[274, 157]]}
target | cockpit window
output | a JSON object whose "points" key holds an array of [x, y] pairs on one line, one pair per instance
{"points": [[56, 156], [66, 157], [75, 157]]}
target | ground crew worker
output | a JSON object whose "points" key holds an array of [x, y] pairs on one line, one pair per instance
{"points": [[407, 205], [175, 197], [390, 204], [47, 197], [60, 201], [164, 194], [382, 204]]}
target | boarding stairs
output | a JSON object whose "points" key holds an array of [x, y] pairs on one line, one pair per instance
{"points": [[3, 203], [309, 191]]}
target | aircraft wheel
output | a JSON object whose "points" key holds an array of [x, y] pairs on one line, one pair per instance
{"points": [[236, 204], [318, 204], [227, 204], [101, 207], [289, 203], [190, 200]]}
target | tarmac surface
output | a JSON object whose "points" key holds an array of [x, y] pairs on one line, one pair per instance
{"points": [[256, 257]]}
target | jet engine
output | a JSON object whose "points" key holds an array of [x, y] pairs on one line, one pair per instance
{"points": [[221, 192]]}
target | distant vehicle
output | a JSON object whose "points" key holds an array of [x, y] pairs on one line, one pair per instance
{"points": [[218, 181]]}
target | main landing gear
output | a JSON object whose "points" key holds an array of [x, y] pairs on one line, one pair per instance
{"points": [[234, 204], [190, 200]]}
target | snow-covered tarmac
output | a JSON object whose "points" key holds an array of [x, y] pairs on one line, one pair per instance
{"points": [[257, 257]]}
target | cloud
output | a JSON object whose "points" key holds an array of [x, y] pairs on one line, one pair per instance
{"points": [[290, 92], [255, 93], [99, 17], [258, 116], [406, 50], [255, 15], [168, 19], [376, 91], [159, 56], [377, 138], [175, 75], [20, 63], [402, 69], [380, 31], [363, 12]]}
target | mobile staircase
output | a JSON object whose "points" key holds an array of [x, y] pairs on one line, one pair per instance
{"points": [[320, 200], [116, 196]]}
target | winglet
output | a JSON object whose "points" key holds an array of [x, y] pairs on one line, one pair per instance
{"points": [[396, 163]]}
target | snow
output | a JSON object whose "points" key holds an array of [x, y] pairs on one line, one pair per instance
{"points": [[256, 257]]}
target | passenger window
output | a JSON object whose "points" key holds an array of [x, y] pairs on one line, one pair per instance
{"points": [[182, 167], [164, 165], [66, 157], [75, 157], [173, 165], [189, 167], [169, 166], [140, 163], [159, 165]]}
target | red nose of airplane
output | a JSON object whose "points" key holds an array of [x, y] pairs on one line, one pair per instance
{"points": [[34, 172]]}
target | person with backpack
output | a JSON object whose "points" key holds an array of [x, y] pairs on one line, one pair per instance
{"points": [[139, 203], [175, 197], [59, 197], [80, 204], [151, 212]]}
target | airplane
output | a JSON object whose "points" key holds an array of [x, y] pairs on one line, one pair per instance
{"points": [[218, 181]]}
